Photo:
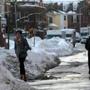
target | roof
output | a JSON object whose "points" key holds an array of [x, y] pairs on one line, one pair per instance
{"points": [[57, 13], [52, 25], [71, 13], [62, 12], [31, 7]]}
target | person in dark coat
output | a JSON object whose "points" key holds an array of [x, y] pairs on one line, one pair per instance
{"points": [[87, 46], [21, 47]]}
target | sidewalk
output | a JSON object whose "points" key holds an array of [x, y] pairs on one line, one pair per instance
{"points": [[71, 74]]}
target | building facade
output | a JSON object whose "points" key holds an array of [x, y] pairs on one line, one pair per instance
{"points": [[58, 18], [2, 8]]}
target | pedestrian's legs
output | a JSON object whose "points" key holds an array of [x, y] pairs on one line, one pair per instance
{"points": [[22, 68]]}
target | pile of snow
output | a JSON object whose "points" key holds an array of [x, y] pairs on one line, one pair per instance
{"points": [[37, 63], [7, 81], [34, 41], [43, 56], [56, 45]]}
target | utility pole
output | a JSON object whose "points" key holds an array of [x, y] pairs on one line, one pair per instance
{"points": [[15, 14], [80, 18]]}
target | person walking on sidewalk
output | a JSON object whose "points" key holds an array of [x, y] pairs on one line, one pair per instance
{"points": [[87, 46], [21, 47]]}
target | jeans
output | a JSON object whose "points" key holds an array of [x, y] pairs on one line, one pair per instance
{"points": [[22, 67]]}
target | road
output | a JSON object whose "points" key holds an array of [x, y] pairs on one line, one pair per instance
{"points": [[71, 74]]}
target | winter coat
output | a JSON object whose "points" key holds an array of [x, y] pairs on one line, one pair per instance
{"points": [[21, 48], [87, 44]]}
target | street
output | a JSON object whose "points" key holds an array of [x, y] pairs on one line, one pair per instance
{"points": [[71, 74]]}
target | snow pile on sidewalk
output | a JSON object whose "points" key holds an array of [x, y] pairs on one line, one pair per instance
{"points": [[42, 57], [56, 45], [7, 81], [37, 63]]}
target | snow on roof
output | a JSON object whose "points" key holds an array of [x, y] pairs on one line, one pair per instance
{"points": [[62, 12], [55, 13], [31, 5], [71, 12], [52, 25]]}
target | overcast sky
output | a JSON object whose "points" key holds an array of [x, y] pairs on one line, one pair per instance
{"points": [[49, 1], [66, 1]]}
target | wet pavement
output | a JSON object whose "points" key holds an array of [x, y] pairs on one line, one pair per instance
{"points": [[71, 74]]}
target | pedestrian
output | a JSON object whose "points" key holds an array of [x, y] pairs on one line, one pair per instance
{"points": [[21, 47], [87, 46], [4, 37], [74, 39]]}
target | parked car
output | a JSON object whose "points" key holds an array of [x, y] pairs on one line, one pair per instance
{"points": [[68, 34], [84, 36], [53, 33], [84, 31]]}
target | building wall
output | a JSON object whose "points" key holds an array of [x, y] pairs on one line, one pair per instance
{"points": [[58, 19], [66, 22], [88, 1], [2, 5], [61, 21]]}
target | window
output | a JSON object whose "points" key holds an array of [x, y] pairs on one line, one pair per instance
{"points": [[50, 20], [64, 17]]}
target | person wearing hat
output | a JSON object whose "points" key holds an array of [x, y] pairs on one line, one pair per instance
{"points": [[21, 47]]}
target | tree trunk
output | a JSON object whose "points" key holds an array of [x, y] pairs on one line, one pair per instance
{"points": [[2, 41]]}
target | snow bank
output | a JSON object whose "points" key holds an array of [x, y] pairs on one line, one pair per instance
{"points": [[43, 56], [7, 81], [37, 63], [56, 45]]}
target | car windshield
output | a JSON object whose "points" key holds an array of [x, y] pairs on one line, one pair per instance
{"points": [[84, 34], [51, 36], [68, 35]]}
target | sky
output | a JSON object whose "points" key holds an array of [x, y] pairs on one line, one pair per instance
{"points": [[48, 1], [65, 1]]}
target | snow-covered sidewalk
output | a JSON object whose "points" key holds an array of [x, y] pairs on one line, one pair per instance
{"points": [[71, 74], [43, 56]]}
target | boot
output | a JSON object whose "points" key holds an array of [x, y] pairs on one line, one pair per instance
{"points": [[23, 77]]}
